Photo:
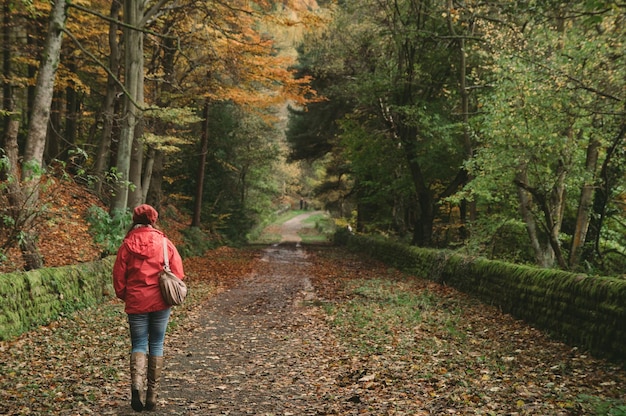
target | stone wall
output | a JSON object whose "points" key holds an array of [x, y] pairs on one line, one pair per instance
{"points": [[37, 297]]}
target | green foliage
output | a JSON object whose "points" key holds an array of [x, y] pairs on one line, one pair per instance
{"points": [[378, 168], [196, 242], [341, 236], [545, 81], [324, 224], [32, 170], [310, 133], [181, 116], [5, 163], [318, 228], [243, 177], [550, 98], [107, 230], [598, 406], [500, 238], [396, 113]]}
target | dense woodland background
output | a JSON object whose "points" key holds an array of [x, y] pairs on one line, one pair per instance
{"points": [[493, 128]]}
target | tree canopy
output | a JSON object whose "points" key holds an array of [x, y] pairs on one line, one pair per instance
{"points": [[509, 117], [497, 128]]}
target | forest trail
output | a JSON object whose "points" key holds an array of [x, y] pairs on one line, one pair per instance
{"points": [[290, 228], [258, 348], [264, 334]]}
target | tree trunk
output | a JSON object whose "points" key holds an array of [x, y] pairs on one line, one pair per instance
{"points": [[7, 87], [37, 132], [10, 175], [130, 150], [197, 209], [136, 160], [135, 193], [108, 107], [407, 135], [71, 115], [32, 43], [155, 193], [12, 153], [133, 13], [544, 256], [44, 90], [551, 206], [553, 213], [147, 174], [54, 135], [610, 176], [423, 230], [15, 195], [584, 207], [468, 208]]}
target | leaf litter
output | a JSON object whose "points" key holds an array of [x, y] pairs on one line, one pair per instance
{"points": [[316, 331]]}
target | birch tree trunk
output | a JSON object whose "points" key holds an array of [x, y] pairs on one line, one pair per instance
{"points": [[44, 90], [136, 193], [32, 168]]}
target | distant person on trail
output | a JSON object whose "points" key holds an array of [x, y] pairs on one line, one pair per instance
{"points": [[136, 281]]}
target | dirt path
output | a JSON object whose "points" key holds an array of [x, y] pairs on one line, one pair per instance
{"points": [[289, 229], [258, 348]]}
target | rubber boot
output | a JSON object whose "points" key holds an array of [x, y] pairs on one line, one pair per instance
{"points": [[138, 365], [155, 365]]}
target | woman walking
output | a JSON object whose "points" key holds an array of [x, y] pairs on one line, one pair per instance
{"points": [[136, 280]]}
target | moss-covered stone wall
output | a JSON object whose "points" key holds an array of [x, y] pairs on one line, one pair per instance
{"points": [[584, 311], [37, 297]]}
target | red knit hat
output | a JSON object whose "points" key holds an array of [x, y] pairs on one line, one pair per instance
{"points": [[145, 214]]}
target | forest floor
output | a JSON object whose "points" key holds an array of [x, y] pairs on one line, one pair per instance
{"points": [[296, 329]]}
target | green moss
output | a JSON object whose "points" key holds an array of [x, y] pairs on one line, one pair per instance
{"points": [[38, 297]]}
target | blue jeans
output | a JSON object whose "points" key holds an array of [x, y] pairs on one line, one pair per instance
{"points": [[147, 331]]}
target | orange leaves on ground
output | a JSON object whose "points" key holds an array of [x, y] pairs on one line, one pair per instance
{"points": [[460, 357], [64, 236], [223, 265]]}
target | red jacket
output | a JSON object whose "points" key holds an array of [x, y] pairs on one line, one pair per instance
{"points": [[137, 266]]}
